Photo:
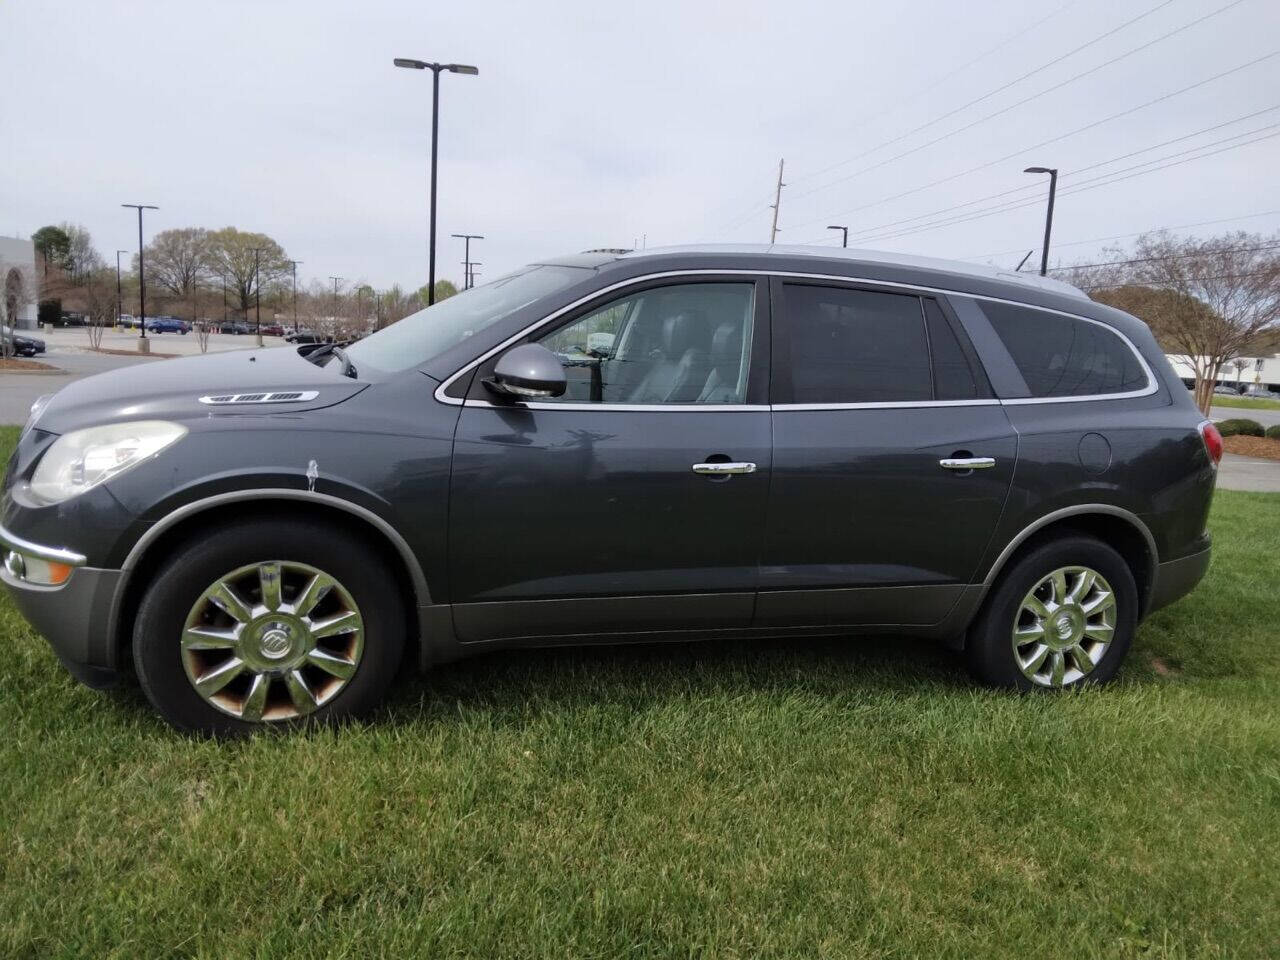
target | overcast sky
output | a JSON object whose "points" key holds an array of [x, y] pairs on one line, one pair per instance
{"points": [[601, 124]]}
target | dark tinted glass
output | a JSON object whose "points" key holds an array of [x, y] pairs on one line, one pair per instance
{"points": [[953, 377], [1063, 357], [855, 346]]}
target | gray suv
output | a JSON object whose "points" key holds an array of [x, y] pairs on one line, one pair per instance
{"points": [[681, 443]]}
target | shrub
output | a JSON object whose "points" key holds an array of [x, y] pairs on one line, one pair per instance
{"points": [[1274, 432], [1240, 427]]}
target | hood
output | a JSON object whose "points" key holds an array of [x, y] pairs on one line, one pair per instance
{"points": [[234, 383]]}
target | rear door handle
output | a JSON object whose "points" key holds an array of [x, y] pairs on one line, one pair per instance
{"points": [[967, 463], [724, 469]]}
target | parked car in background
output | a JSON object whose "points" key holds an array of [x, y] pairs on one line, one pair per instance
{"points": [[127, 320], [24, 345], [234, 327], [70, 318], [303, 335], [775, 443], [272, 330], [168, 325]]}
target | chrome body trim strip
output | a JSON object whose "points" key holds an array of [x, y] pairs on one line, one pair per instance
{"points": [[967, 463], [259, 396], [197, 506], [41, 552], [1151, 387], [1077, 510]]}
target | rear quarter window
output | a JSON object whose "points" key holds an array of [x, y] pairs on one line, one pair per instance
{"points": [[1060, 356]]}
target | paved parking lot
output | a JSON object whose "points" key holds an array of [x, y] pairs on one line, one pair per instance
{"points": [[68, 350]]}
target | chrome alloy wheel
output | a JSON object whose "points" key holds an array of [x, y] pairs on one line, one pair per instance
{"points": [[1063, 626], [272, 641]]}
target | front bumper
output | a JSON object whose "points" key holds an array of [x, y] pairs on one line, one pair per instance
{"points": [[76, 619], [75, 616]]}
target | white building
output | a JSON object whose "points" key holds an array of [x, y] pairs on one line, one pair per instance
{"points": [[18, 282], [1263, 371]]}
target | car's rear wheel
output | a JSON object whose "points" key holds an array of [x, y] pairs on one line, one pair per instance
{"points": [[268, 624], [1062, 615]]}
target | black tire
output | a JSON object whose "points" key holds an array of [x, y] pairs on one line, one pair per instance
{"points": [[989, 649], [200, 562]]}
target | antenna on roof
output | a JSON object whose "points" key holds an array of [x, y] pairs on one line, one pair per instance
{"points": [[1023, 260]]}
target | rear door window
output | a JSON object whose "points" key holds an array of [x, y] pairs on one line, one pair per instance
{"points": [[1060, 356]]}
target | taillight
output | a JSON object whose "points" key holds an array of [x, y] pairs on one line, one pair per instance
{"points": [[1212, 441]]}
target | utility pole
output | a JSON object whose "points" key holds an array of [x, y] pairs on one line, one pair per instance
{"points": [[777, 202], [257, 294], [470, 276], [295, 263], [224, 299], [466, 238]]}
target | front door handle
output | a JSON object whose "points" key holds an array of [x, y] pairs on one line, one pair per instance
{"points": [[967, 463], [724, 469]]}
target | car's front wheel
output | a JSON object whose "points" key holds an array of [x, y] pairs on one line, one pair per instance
{"points": [[268, 623], [1062, 615]]}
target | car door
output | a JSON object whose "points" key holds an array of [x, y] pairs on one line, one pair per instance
{"points": [[892, 460], [635, 501]]}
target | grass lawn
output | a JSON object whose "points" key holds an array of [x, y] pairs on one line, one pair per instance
{"points": [[1246, 403], [776, 799]]}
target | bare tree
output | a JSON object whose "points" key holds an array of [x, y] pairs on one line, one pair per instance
{"points": [[231, 254], [1207, 300], [17, 292], [81, 258], [178, 261], [97, 293]]}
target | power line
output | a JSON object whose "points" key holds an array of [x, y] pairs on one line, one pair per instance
{"points": [[1138, 233], [1019, 103], [1173, 256], [1093, 183], [990, 93], [1191, 281], [1043, 143], [1102, 163]]}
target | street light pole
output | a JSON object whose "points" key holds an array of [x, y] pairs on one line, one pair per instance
{"points": [[466, 238], [435, 69], [119, 294], [142, 280], [1048, 219], [295, 293], [844, 230], [257, 294]]}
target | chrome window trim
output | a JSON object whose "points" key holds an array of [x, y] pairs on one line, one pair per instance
{"points": [[41, 552], [1151, 387]]}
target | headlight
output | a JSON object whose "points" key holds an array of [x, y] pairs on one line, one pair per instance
{"points": [[81, 460]]}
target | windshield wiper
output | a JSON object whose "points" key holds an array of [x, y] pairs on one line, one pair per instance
{"points": [[333, 350]]}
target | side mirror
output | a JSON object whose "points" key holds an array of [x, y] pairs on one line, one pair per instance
{"points": [[529, 370]]}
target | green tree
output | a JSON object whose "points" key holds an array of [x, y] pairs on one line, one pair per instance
{"points": [[231, 255], [53, 244], [444, 290]]}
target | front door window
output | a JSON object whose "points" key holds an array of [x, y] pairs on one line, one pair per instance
{"points": [[686, 343]]}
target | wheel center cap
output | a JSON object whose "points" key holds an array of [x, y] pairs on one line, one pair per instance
{"points": [[276, 641]]}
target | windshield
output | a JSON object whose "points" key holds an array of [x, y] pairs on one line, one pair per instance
{"points": [[430, 332]]}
